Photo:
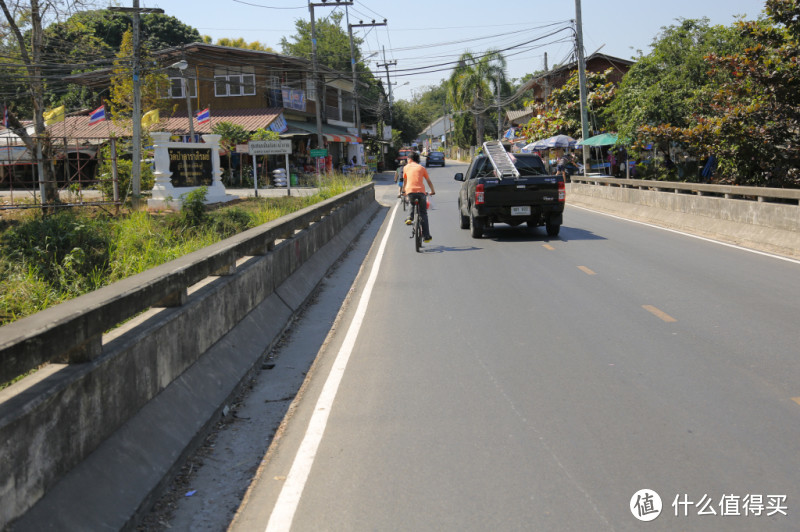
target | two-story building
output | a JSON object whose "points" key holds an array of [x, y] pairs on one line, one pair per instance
{"points": [[253, 89]]}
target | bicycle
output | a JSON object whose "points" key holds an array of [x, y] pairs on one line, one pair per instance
{"points": [[404, 201], [416, 226]]}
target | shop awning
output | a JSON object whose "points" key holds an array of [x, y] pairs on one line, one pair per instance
{"points": [[329, 132]]}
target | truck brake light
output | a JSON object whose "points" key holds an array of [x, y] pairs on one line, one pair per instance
{"points": [[562, 191], [479, 194]]}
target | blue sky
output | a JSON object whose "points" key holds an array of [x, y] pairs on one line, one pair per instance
{"points": [[421, 34]]}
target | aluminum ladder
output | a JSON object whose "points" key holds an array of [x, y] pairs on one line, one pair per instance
{"points": [[501, 160]]}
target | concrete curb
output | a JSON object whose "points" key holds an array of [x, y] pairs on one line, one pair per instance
{"points": [[129, 469]]}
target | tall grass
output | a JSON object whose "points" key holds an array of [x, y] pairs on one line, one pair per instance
{"points": [[47, 260]]}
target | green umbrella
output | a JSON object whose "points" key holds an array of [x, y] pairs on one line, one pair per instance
{"points": [[603, 139]]}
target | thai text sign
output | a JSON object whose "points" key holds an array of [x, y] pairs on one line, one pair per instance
{"points": [[270, 147], [190, 167]]}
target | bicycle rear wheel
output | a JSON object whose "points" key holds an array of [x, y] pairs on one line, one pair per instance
{"points": [[417, 230]]}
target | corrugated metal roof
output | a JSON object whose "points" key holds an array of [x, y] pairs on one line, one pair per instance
{"points": [[249, 119], [77, 127]]}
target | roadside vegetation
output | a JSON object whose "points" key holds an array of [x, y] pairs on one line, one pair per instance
{"points": [[45, 260]]}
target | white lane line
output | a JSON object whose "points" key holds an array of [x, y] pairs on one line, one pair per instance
{"points": [[721, 243], [286, 505]]}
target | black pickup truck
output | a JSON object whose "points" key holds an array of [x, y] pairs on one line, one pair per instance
{"points": [[533, 197]]}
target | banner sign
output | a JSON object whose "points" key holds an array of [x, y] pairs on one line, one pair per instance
{"points": [[278, 125], [294, 99], [318, 153], [190, 167]]}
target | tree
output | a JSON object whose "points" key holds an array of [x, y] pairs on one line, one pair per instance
{"points": [[89, 40], [241, 43], [473, 84], [121, 92], [333, 43], [333, 51], [753, 126], [561, 114], [232, 134], [34, 15], [668, 85]]}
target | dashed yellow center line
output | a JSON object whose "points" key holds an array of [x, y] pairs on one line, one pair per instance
{"points": [[796, 400], [548, 246], [586, 270], [659, 313]]}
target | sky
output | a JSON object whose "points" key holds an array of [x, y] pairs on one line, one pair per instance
{"points": [[425, 37]]}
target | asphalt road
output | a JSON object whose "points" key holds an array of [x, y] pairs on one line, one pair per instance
{"points": [[520, 382]]}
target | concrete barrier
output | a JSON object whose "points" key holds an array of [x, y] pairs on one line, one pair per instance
{"points": [[758, 218], [106, 430]]}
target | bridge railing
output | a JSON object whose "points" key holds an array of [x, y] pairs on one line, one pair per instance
{"points": [[785, 195], [71, 332]]}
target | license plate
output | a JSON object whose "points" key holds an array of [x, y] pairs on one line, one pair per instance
{"points": [[521, 211]]}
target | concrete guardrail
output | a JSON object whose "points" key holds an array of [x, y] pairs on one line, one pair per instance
{"points": [[767, 219], [136, 371]]}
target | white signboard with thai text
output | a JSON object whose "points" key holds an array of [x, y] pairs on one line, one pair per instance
{"points": [[270, 147]]}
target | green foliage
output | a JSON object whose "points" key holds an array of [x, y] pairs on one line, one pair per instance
{"points": [[193, 209], [464, 130], [753, 122], [264, 134], [65, 248], [120, 102], [48, 260], [241, 43], [232, 134], [228, 222], [473, 85], [333, 43], [669, 85], [124, 170], [73, 45], [561, 114]]}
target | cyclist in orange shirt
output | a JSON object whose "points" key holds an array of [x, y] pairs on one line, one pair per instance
{"points": [[414, 177]]}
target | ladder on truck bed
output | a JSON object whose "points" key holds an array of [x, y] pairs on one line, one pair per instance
{"points": [[501, 160]]}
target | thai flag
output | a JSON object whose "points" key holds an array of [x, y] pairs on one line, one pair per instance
{"points": [[204, 116], [98, 115], [5, 117]]}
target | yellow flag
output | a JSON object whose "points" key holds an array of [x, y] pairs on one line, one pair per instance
{"points": [[53, 116], [150, 118]]}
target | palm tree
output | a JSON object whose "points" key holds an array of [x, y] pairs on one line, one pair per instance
{"points": [[473, 84]]}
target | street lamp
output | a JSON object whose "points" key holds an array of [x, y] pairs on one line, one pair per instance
{"points": [[182, 65]]}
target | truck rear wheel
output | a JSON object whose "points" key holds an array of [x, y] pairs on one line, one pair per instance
{"points": [[463, 220], [552, 229], [476, 226]]}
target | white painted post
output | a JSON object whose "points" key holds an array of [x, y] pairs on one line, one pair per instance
{"points": [[255, 176]]}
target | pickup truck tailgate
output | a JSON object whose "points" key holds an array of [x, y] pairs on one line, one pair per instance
{"points": [[521, 191]]}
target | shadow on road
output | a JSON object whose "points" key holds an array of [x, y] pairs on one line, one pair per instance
{"points": [[503, 233], [443, 249]]}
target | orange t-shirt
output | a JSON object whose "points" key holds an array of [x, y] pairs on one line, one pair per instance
{"points": [[414, 175]]}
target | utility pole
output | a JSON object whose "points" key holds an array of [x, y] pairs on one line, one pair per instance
{"points": [[315, 74], [546, 84], [136, 167], [350, 27], [499, 109], [582, 81], [388, 82]]}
